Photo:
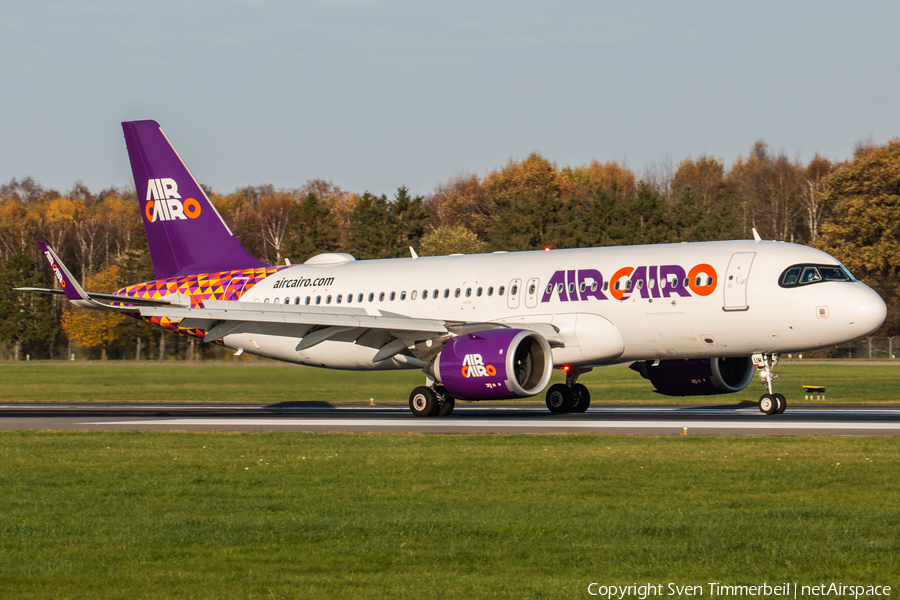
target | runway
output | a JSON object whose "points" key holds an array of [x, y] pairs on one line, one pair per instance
{"points": [[469, 418]]}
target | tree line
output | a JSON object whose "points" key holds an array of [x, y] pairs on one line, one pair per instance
{"points": [[850, 209]]}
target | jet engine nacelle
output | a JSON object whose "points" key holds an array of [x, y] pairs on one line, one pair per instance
{"points": [[697, 376], [494, 364]]}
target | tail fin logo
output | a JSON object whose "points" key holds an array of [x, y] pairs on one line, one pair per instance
{"points": [[164, 203]]}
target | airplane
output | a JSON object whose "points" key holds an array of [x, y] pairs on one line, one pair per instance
{"points": [[692, 318]]}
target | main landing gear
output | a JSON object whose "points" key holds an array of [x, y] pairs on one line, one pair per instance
{"points": [[569, 397], [434, 401], [770, 403]]}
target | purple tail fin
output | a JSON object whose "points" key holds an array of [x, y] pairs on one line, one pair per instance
{"points": [[185, 233]]}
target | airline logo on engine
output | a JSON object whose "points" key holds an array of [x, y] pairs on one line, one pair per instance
{"points": [[164, 203], [473, 366]]}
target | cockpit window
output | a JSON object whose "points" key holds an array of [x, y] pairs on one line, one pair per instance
{"points": [[805, 274]]}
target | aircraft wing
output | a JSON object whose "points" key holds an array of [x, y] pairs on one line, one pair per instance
{"points": [[390, 333], [77, 296], [168, 301]]}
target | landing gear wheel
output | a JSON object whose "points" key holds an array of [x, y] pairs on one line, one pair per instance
{"points": [[423, 402], [581, 398], [560, 398], [782, 403], [447, 405], [768, 404]]}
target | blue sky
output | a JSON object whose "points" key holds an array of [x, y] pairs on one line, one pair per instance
{"points": [[374, 95]]}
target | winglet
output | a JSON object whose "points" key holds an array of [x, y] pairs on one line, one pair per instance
{"points": [[71, 288], [74, 292]]}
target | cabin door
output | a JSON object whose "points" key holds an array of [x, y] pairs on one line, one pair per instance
{"points": [[735, 283]]}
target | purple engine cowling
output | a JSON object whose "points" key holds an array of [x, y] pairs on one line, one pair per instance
{"points": [[494, 364], [698, 376]]}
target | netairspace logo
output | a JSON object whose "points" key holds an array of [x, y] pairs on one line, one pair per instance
{"points": [[719, 590], [164, 203]]}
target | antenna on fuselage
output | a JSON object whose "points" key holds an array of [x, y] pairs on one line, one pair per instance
{"points": [[756, 237]]}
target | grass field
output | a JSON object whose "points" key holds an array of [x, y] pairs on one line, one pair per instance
{"points": [[188, 515], [273, 382]]}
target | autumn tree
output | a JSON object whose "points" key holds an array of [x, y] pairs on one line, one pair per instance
{"points": [[451, 239], [93, 328], [864, 229], [770, 189]]}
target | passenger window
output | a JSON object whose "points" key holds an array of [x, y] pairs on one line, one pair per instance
{"points": [[403, 295], [308, 300], [456, 293], [318, 299], [709, 281], [478, 292], [434, 294], [606, 286], [339, 298], [572, 287], [501, 290], [640, 284], [593, 287], [549, 288], [560, 287], [359, 298], [349, 298], [446, 293], [381, 297], [491, 291], [413, 295], [266, 301], [424, 294], [328, 299], [468, 292], [393, 296], [514, 290], [371, 297], [531, 289], [276, 301], [582, 287], [256, 299], [287, 300], [297, 300]]}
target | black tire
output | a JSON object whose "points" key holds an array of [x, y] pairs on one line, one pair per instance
{"points": [[768, 404], [581, 398], [782, 404], [560, 398], [446, 407], [423, 402]]}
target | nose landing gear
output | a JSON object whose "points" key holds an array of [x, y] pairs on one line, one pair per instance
{"points": [[569, 397], [770, 403]]}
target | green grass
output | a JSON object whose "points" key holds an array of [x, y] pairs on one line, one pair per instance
{"points": [[274, 383], [190, 515]]}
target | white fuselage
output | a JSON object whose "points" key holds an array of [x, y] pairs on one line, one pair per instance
{"points": [[732, 304]]}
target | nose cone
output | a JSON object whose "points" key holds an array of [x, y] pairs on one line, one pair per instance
{"points": [[866, 310]]}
